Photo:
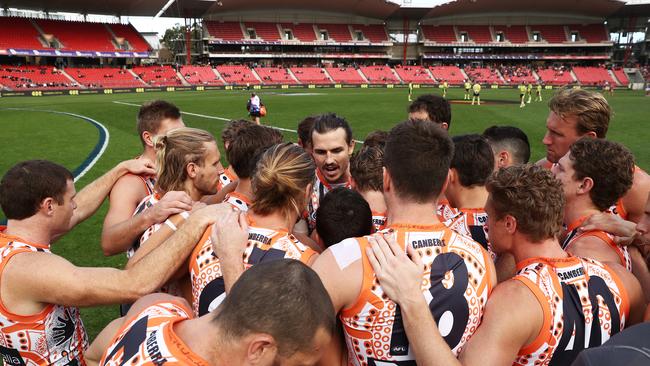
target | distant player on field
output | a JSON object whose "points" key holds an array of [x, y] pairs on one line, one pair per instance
{"points": [[522, 95], [539, 92], [445, 86], [476, 88], [468, 86], [529, 92], [410, 91]]}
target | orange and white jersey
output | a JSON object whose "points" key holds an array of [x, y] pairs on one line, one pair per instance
{"points": [[228, 176], [149, 339], [318, 190], [238, 200], [145, 204], [53, 336], [573, 234], [456, 283], [208, 289], [472, 222], [584, 304], [379, 221], [445, 211]]}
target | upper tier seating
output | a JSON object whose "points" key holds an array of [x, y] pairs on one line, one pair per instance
{"points": [[237, 74], [483, 75], [200, 75], [513, 33], [477, 33], [414, 74], [158, 75], [337, 32], [303, 32], [450, 74], [555, 76], [106, 77], [265, 31], [33, 77], [18, 33], [275, 75], [375, 33], [620, 75], [592, 33], [79, 36], [128, 32], [551, 33], [227, 31], [440, 34], [379, 74], [593, 75], [346, 75], [311, 75]]}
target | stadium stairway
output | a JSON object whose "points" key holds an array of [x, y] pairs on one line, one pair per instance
{"points": [[257, 76], [40, 32], [365, 80], [503, 80], [613, 76], [137, 77], [328, 75], [396, 75], [216, 72], [292, 75], [182, 79], [536, 75], [72, 79], [573, 75], [462, 71]]}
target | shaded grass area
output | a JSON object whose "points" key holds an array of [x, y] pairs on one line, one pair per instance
{"points": [[63, 139]]}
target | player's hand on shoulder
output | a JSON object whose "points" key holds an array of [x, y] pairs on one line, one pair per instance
{"points": [[172, 203], [399, 276], [230, 235], [141, 166], [624, 231], [209, 214]]}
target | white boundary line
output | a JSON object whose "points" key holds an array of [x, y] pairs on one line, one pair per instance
{"points": [[101, 150], [217, 118]]}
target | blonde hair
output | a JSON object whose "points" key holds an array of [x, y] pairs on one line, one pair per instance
{"points": [[174, 151], [283, 173], [590, 109]]}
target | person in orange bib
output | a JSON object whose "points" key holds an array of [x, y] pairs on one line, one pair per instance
{"points": [[594, 174], [556, 306], [40, 292], [121, 228], [576, 113], [332, 145], [280, 187], [366, 167], [460, 273], [247, 330]]}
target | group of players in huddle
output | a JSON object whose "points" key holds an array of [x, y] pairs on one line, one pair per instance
{"points": [[419, 248]]}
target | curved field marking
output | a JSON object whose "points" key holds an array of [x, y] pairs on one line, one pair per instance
{"points": [[215, 117], [97, 151]]}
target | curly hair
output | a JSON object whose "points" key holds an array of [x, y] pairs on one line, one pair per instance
{"points": [[532, 195], [609, 164]]}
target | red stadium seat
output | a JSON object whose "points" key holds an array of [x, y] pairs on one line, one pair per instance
{"points": [[375, 33], [592, 33], [265, 31], [237, 74], [593, 75], [551, 33], [19, 33], [483, 75], [477, 33], [105, 77], [200, 75], [440, 33], [33, 77], [345, 75], [379, 74], [337, 32], [227, 31], [450, 74], [414, 74], [620, 75], [303, 32], [555, 76], [275, 75], [311, 75], [79, 36], [128, 32], [514, 33], [158, 75]]}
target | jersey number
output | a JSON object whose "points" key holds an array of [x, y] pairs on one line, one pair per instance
{"points": [[574, 320], [445, 300], [131, 341]]}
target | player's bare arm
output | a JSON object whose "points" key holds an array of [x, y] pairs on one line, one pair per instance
{"points": [[121, 227], [91, 197], [229, 237], [27, 286]]}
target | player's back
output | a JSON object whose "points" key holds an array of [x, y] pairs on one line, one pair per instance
{"points": [[208, 288], [574, 234], [149, 339], [584, 304], [456, 284], [471, 222]]}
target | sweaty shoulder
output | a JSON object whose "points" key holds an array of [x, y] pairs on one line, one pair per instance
{"points": [[346, 252], [130, 186], [635, 199]]}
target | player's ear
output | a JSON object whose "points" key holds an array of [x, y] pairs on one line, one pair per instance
{"points": [[191, 169], [47, 206], [445, 125], [591, 134], [261, 350], [586, 185], [147, 137], [386, 180], [351, 147], [502, 159]]}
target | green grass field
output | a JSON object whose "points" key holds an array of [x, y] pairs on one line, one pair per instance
{"points": [[67, 140]]}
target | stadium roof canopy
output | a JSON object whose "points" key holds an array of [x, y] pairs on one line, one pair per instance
{"points": [[600, 8], [378, 9]]}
